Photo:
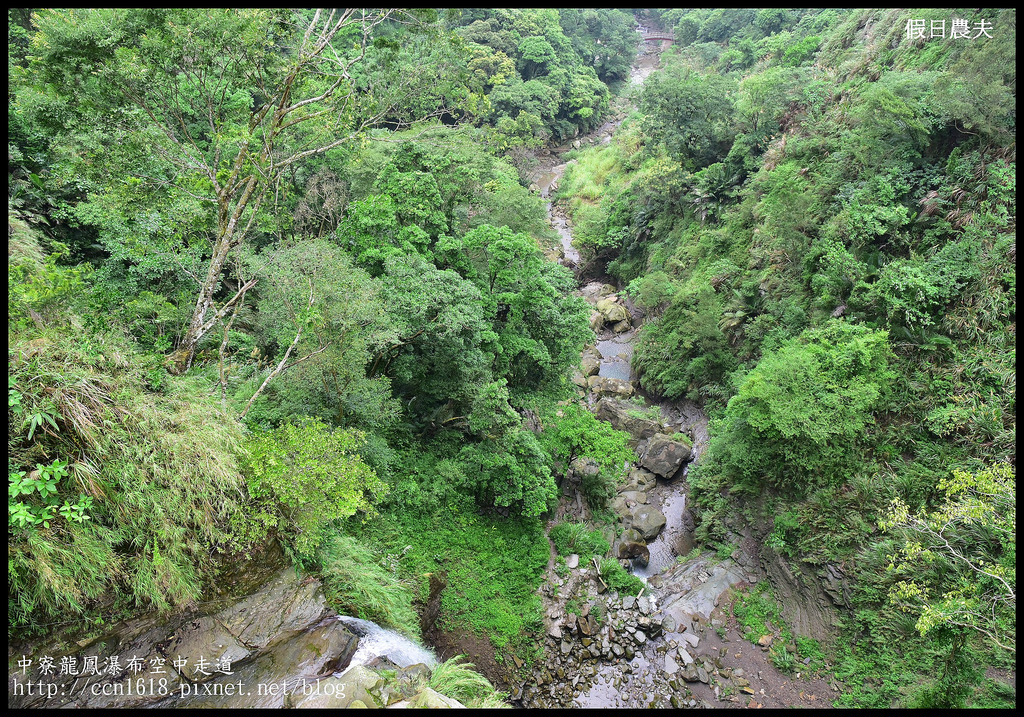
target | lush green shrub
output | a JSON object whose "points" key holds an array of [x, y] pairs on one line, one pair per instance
{"points": [[578, 538], [356, 583], [799, 418], [304, 475], [617, 579]]}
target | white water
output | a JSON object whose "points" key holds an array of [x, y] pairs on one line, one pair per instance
{"points": [[375, 641]]}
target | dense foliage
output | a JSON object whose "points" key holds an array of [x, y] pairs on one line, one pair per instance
{"points": [[817, 209], [290, 308], [274, 275]]}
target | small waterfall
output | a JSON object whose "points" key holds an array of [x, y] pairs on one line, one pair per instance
{"points": [[375, 641]]}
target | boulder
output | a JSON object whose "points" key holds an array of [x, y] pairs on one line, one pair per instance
{"points": [[311, 653], [583, 466], [635, 551], [643, 479], [664, 455], [590, 362], [413, 678], [338, 692], [631, 536], [625, 416], [208, 638], [690, 673], [635, 497], [623, 326], [601, 385], [617, 505], [612, 311], [648, 521], [430, 699], [284, 604]]}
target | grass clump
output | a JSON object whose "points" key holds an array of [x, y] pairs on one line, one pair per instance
{"points": [[152, 456], [617, 579], [458, 680], [578, 538], [356, 584]]}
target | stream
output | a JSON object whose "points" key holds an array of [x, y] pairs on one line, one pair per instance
{"points": [[648, 654], [677, 644], [616, 349]]}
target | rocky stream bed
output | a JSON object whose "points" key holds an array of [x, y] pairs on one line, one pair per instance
{"points": [[677, 644]]}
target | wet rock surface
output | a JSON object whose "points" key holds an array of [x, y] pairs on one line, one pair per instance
{"points": [[281, 634]]}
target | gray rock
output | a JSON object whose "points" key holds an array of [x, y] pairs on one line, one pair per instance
{"points": [[670, 665], [635, 551], [600, 385], [612, 311], [286, 603], [590, 363], [648, 520], [206, 637], [631, 536], [617, 505], [572, 561], [645, 480], [625, 416], [311, 653], [583, 466], [690, 673], [429, 699], [635, 496], [664, 456]]}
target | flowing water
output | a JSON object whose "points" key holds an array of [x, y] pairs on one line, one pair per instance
{"points": [[616, 355], [376, 641]]}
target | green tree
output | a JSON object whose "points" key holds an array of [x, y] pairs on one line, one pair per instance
{"points": [[434, 352], [304, 475], [314, 310], [506, 466], [763, 98], [799, 419], [537, 327], [217, 105], [689, 113], [957, 562]]}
